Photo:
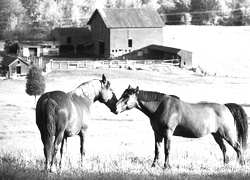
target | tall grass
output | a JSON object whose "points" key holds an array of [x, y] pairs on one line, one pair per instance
{"points": [[117, 147]]}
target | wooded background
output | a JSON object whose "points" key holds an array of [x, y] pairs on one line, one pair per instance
{"points": [[34, 19]]}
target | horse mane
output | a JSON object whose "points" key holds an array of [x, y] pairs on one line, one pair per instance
{"points": [[89, 89], [150, 95]]}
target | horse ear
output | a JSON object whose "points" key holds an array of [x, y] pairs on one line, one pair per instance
{"points": [[129, 87], [104, 80], [136, 89]]}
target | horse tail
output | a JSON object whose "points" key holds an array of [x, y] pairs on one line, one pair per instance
{"points": [[241, 121], [49, 110]]}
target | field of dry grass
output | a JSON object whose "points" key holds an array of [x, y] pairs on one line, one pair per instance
{"points": [[216, 49], [119, 146], [122, 146]]}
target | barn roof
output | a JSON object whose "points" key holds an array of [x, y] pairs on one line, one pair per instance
{"points": [[129, 18], [71, 31], [165, 48]]}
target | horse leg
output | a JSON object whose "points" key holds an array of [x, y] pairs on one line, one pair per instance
{"points": [[220, 142], [158, 140], [61, 152], [82, 147], [237, 147], [58, 140], [167, 141], [48, 151]]}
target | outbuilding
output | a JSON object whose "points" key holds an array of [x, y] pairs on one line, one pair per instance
{"points": [[14, 66], [157, 52]]}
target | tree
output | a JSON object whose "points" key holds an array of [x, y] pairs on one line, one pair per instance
{"points": [[108, 4], [239, 13], [35, 84], [204, 11], [12, 17]]}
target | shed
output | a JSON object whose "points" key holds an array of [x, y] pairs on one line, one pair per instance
{"points": [[161, 53], [38, 48], [119, 31], [14, 66]]}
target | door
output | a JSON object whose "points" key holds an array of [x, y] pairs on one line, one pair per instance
{"points": [[18, 69], [101, 48]]}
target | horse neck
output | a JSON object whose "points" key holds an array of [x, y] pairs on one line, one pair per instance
{"points": [[90, 90], [148, 107]]}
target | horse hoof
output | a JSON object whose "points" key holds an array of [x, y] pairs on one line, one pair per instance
{"points": [[242, 162], [167, 166], [53, 169], [226, 161], [153, 165]]}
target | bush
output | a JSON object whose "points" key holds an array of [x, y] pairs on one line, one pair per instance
{"points": [[35, 84]]}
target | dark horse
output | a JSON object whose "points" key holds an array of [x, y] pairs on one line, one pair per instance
{"points": [[171, 116], [60, 115]]}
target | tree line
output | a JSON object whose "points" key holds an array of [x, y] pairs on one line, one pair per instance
{"points": [[34, 19]]}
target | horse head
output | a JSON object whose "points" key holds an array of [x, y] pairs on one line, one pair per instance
{"points": [[106, 95], [128, 99]]}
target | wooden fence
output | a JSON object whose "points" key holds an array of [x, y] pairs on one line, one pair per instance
{"points": [[136, 64]]}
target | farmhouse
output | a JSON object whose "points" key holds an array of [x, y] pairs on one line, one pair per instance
{"points": [[14, 66], [119, 31]]}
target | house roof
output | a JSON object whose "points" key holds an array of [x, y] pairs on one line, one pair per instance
{"points": [[129, 18], [8, 60]]}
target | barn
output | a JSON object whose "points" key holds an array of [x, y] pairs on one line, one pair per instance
{"points": [[119, 31]]}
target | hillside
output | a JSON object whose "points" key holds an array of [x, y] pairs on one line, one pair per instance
{"points": [[216, 49]]}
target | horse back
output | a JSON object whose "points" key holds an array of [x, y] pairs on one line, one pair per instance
{"points": [[60, 99]]}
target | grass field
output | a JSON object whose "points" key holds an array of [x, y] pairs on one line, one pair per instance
{"points": [[122, 146], [118, 146]]}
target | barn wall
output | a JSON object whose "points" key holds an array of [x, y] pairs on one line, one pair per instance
{"points": [[100, 33], [62, 39], [140, 37]]}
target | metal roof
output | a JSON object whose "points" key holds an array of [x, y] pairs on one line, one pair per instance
{"points": [[72, 31], [129, 18]]}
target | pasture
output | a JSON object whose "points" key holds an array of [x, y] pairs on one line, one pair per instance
{"points": [[119, 146]]}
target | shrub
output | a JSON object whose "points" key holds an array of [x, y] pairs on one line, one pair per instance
{"points": [[35, 84]]}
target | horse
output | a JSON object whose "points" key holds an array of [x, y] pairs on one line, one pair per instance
{"points": [[169, 116], [60, 115]]}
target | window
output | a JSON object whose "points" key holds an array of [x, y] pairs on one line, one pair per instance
{"points": [[130, 43], [68, 40]]}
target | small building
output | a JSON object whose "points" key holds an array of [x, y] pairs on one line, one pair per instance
{"points": [[72, 40], [119, 31], [14, 66], [38, 48], [157, 52]]}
